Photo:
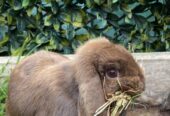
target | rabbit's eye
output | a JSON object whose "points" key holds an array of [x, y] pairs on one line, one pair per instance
{"points": [[112, 73]]}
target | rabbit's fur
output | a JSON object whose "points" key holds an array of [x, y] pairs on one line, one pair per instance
{"points": [[48, 84]]}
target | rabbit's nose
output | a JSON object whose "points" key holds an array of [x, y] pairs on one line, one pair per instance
{"points": [[141, 86], [133, 85]]}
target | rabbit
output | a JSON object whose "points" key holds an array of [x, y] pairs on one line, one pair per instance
{"points": [[49, 84]]}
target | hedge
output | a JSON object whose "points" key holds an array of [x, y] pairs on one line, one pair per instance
{"points": [[62, 25]]}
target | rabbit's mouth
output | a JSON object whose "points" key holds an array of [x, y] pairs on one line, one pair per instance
{"points": [[129, 85], [130, 90], [132, 85]]}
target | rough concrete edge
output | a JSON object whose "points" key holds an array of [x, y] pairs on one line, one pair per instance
{"points": [[137, 56], [152, 56]]}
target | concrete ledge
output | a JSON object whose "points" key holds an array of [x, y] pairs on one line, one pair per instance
{"points": [[138, 57], [156, 68], [152, 56]]}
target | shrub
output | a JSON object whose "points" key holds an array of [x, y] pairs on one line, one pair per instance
{"points": [[3, 94], [62, 25]]}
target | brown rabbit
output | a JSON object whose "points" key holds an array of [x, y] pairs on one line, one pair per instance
{"points": [[46, 84]]}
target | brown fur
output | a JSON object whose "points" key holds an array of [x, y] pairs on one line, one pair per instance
{"points": [[46, 84]]}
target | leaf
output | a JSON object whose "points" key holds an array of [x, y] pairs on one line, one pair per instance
{"points": [[129, 20], [65, 42], [167, 34], [56, 25], [126, 8], [140, 21], [145, 14], [15, 52], [4, 49], [118, 12], [162, 1], [144, 37], [2, 20], [109, 32], [20, 24], [19, 51], [40, 39], [4, 40], [67, 50], [76, 43], [67, 2], [65, 17], [9, 18], [89, 3], [82, 34], [46, 3], [139, 45], [151, 19], [47, 20], [54, 7], [81, 31], [121, 21], [77, 19], [142, 2], [1, 2], [25, 3], [68, 30], [29, 12], [34, 11], [167, 19], [133, 5], [167, 44], [99, 23], [17, 5], [3, 30], [53, 44], [99, 2], [114, 1]]}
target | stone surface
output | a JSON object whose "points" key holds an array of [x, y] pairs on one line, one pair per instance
{"points": [[156, 68]]}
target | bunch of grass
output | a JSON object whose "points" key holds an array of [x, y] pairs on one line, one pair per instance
{"points": [[121, 102], [117, 103]]}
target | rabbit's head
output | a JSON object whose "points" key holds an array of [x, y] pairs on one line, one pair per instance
{"points": [[109, 64]]}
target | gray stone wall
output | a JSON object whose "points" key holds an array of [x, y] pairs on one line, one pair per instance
{"points": [[156, 67]]}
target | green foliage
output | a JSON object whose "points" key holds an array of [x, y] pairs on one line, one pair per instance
{"points": [[62, 25], [4, 78], [3, 94]]}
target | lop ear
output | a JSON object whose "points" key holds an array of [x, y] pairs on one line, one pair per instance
{"points": [[91, 94]]}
